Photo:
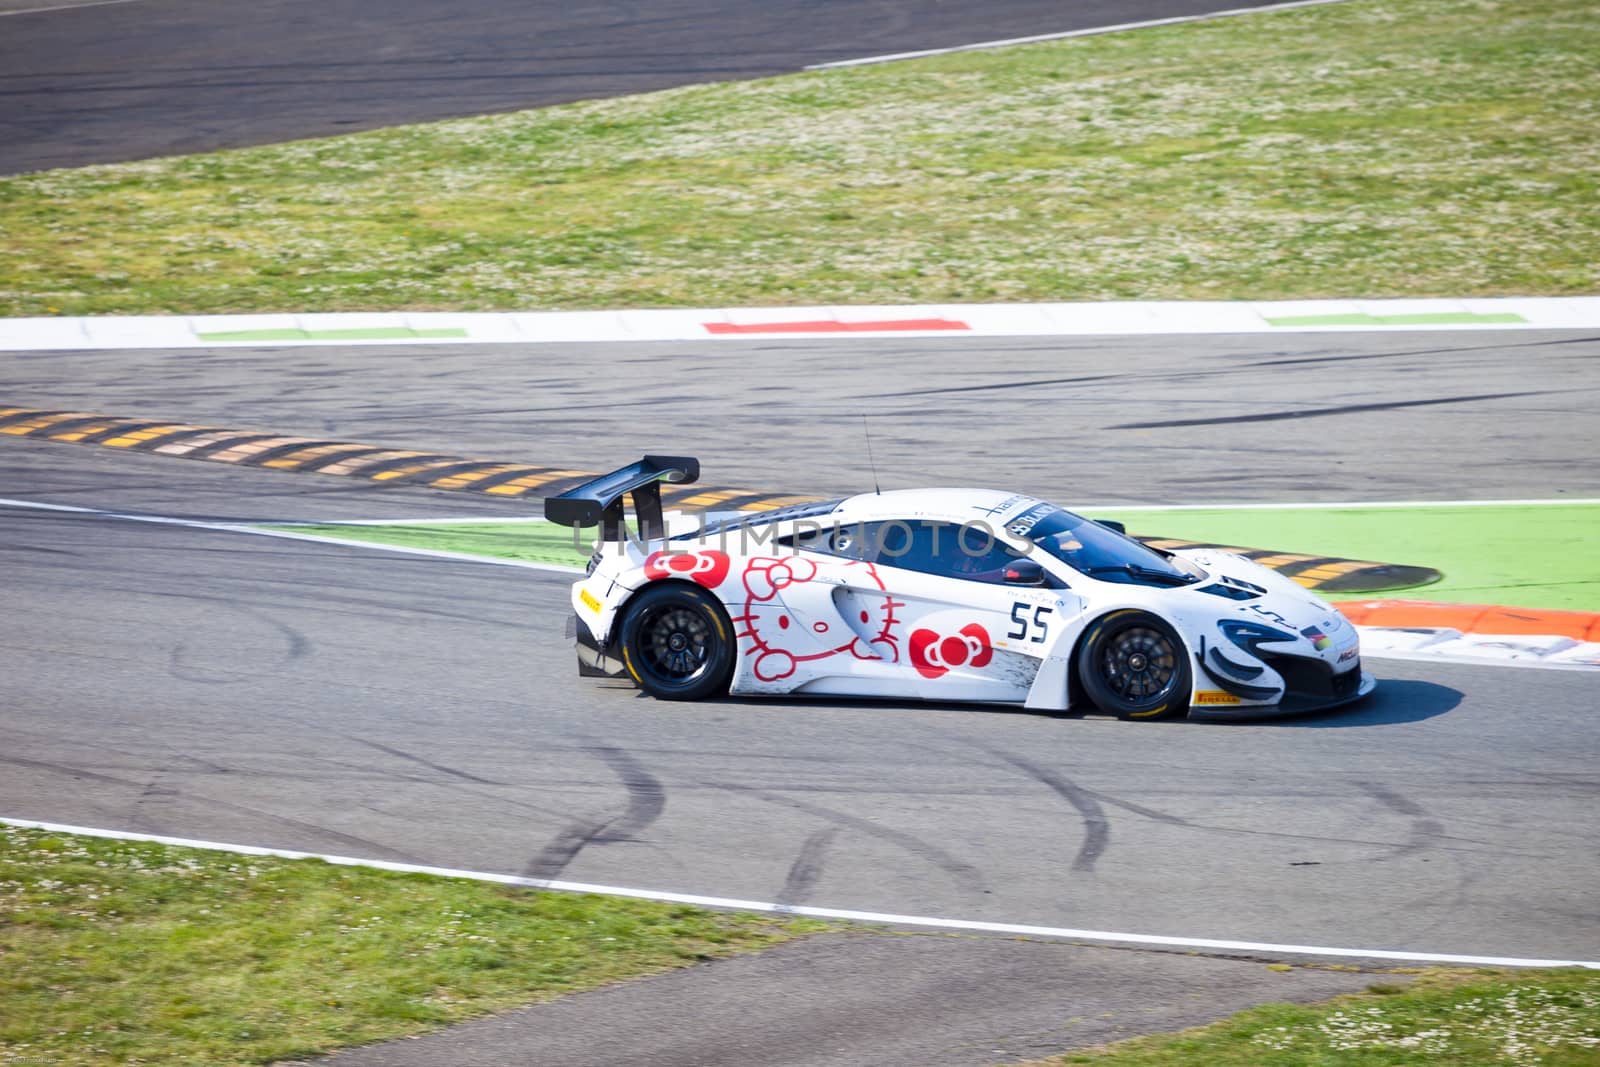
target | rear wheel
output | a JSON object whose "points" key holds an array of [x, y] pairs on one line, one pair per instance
{"points": [[676, 642], [1133, 665]]}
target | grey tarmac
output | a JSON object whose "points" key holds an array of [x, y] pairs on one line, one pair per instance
{"points": [[333, 699], [109, 82], [912, 1000], [1127, 420]]}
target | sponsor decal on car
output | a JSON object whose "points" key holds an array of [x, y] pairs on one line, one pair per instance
{"points": [[1215, 696], [1319, 640], [590, 601], [1023, 524]]}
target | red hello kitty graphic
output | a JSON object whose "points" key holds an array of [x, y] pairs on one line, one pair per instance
{"points": [[777, 645]]}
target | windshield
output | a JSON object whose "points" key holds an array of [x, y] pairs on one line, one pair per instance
{"points": [[1096, 550]]}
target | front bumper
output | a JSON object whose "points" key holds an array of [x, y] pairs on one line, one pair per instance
{"points": [[1311, 687]]}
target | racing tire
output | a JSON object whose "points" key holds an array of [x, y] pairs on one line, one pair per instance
{"points": [[677, 643], [1133, 665]]}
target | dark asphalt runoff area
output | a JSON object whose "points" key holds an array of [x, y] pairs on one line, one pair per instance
{"points": [[219, 686], [136, 79]]}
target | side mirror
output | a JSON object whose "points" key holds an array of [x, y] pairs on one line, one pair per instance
{"points": [[1113, 524], [1024, 572]]}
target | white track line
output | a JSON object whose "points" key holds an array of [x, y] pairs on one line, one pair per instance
{"points": [[1315, 506], [69, 6], [462, 520], [260, 531], [1261, 947], [1091, 32]]}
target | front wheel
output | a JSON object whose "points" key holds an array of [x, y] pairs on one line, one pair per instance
{"points": [[676, 642], [1133, 665]]}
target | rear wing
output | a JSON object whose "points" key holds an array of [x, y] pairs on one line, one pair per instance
{"points": [[599, 501]]}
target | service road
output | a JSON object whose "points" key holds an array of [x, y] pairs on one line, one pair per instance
{"points": [[108, 82]]}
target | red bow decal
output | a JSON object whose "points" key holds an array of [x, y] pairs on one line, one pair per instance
{"points": [[933, 655], [707, 568]]}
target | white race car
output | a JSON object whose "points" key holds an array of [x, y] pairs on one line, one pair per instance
{"points": [[941, 594]]}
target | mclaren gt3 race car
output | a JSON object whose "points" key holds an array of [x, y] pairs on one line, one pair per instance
{"points": [[941, 594]]}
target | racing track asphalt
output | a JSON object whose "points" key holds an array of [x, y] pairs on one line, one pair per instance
{"points": [[144, 78], [333, 699], [1130, 420]]}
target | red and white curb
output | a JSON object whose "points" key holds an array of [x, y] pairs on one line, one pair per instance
{"points": [[851, 915], [713, 324], [1476, 633]]}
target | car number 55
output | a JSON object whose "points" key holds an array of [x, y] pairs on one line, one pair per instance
{"points": [[1035, 628]]}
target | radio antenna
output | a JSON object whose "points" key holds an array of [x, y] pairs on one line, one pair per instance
{"points": [[870, 461]]}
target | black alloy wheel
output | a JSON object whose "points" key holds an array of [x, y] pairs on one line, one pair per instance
{"points": [[677, 642], [1134, 666]]}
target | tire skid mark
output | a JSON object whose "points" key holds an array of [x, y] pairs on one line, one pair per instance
{"points": [[647, 799], [553, 859], [300, 824], [1426, 832], [298, 646], [352, 773], [1437, 838], [140, 789], [1342, 358], [964, 874], [806, 871], [155, 796], [452, 772], [1096, 827], [1312, 413], [71, 772]]}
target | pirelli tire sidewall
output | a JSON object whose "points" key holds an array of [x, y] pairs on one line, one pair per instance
{"points": [[662, 612]]}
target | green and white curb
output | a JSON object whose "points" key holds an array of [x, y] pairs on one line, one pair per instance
{"points": [[708, 324]]}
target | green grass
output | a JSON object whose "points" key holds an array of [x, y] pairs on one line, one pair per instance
{"points": [[124, 952], [1444, 1019], [131, 952], [1370, 148], [536, 542], [1531, 557]]}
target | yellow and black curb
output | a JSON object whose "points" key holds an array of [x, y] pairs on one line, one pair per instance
{"points": [[431, 470], [1326, 574], [397, 466]]}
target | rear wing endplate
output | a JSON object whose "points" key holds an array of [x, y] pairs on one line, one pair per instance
{"points": [[599, 502]]}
